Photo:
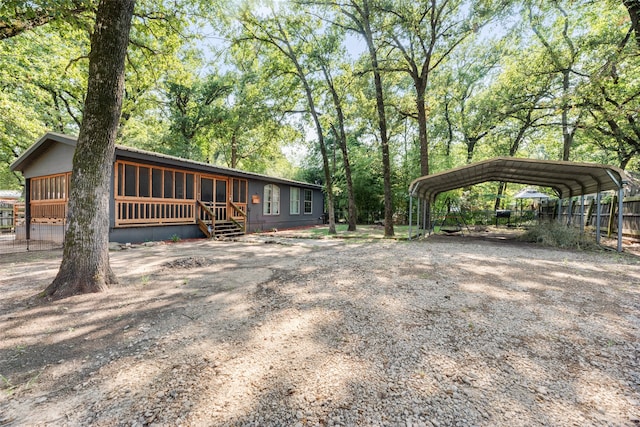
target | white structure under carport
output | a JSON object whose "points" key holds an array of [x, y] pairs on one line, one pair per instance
{"points": [[567, 179]]}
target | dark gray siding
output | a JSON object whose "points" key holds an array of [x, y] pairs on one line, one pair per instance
{"points": [[154, 233], [53, 153], [257, 221], [57, 158]]}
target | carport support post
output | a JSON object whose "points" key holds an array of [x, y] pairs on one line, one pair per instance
{"points": [[582, 214], [418, 218], [598, 215], [620, 207], [426, 217], [410, 213]]}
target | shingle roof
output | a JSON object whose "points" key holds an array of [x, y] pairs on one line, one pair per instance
{"points": [[123, 151]]}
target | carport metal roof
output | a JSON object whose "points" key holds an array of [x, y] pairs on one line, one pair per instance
{"points": [[568, 179]]}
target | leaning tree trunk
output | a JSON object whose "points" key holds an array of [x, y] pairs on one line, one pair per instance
{"points": [[341, 136], [382, 123], [85, 263]]}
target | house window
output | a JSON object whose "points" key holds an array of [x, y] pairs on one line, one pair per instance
{"points": [[271, 200], [294, 201], [308, 202]]}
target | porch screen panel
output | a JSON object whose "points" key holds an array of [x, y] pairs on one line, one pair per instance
{"points": [[239, 191], [179, 194], [206, 190], [130, 184], [48, 198], [53, 187], [156, 183], [147, 195], [168, 184], [189, 186], [120, 183], [221, 191], [143, 182]]}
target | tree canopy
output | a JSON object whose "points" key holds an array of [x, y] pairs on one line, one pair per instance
{"points": [[362, 94]]}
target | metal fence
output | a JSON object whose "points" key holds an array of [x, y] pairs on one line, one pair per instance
{"points": [[15, 237], [575, 211]]}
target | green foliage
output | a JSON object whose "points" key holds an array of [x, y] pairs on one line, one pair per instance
{"points": [[493, 86], [194, 109]]}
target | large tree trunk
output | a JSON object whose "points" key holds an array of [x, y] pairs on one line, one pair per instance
{"points": [[420, 86], [351, 204], [633, 7], [382, 122], [341, 136], [234, 151], [323, 148], [85, 263]]}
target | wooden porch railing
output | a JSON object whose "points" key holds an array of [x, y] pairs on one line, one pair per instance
{"points": [[205, 218], [135, 211], [19, 213], [239, 215], [48, 212]]}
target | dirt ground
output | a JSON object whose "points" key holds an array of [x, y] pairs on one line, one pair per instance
{"points": [[273, 330]]}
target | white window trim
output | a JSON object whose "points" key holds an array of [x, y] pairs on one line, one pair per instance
{"points": [[271, 204], [294, 203], [310, 201]]}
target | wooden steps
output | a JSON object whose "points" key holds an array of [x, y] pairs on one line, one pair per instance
{"points": [[222, 230]]}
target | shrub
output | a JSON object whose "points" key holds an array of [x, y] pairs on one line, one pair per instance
{"points": [[558, 235]]}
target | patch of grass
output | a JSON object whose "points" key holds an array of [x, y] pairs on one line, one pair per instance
{"points": [[175, 238], [558, 235], [33, 379], [7, 386]]}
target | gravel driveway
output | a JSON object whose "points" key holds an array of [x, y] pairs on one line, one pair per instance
{"points": [[448, 331]]}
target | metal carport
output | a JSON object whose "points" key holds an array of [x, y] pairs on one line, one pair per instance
{"points": [[567, 179]]}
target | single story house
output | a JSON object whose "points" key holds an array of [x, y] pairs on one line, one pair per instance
{"points": [[160, 197]]}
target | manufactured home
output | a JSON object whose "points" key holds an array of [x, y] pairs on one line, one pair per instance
{"points": [[160, 197]]}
